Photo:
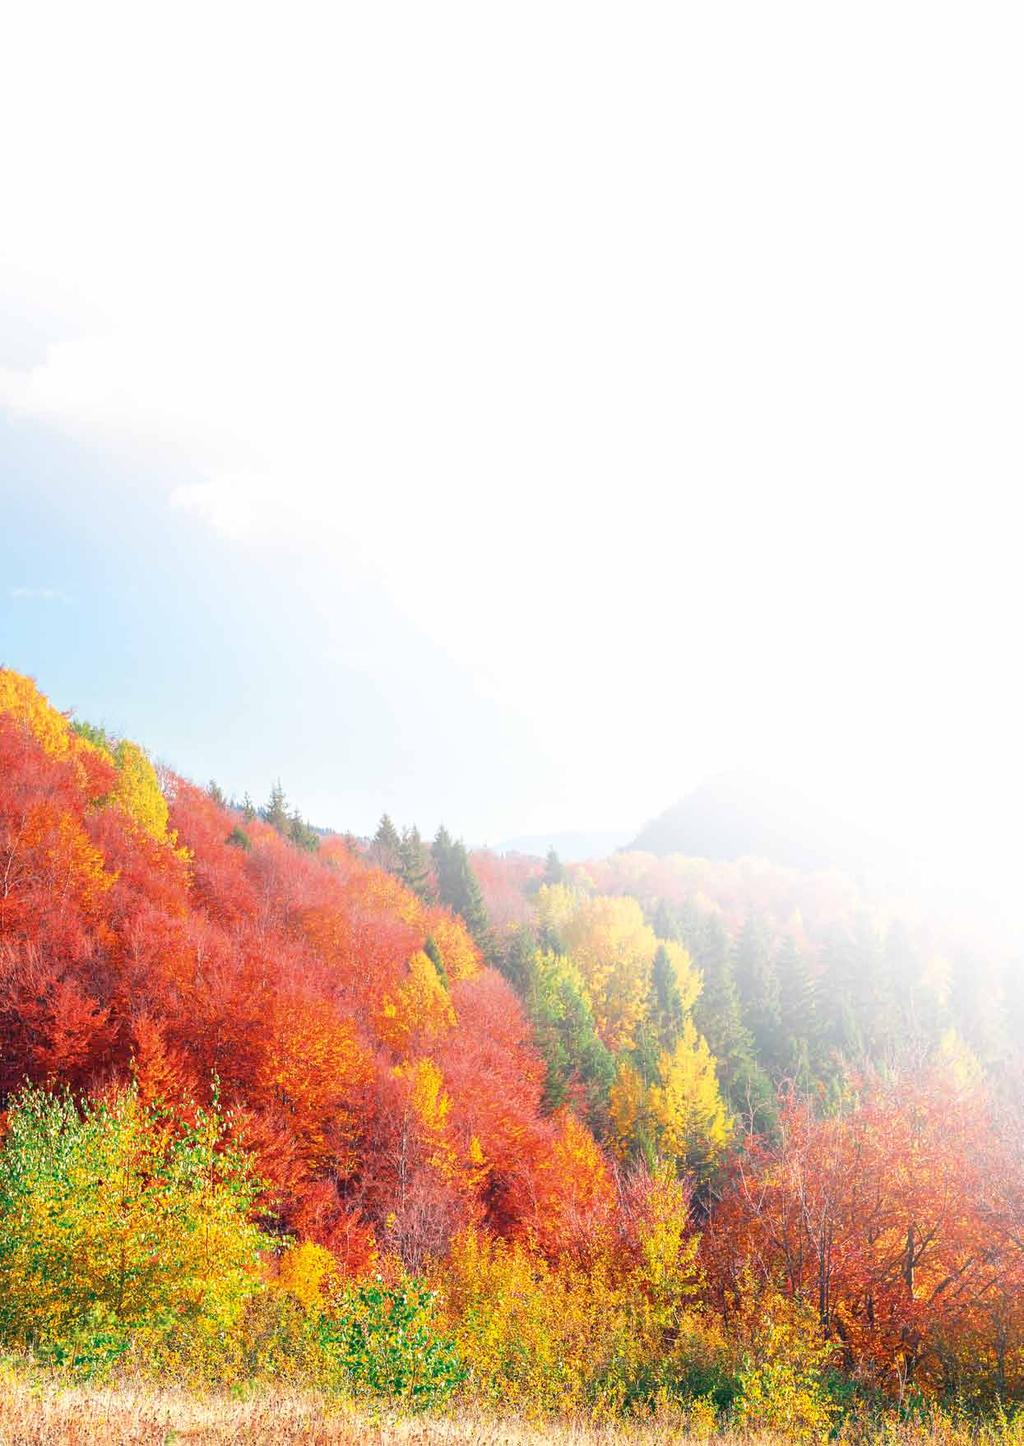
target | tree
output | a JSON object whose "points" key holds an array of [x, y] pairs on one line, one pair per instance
{"points": [[667, 1009], [799, 1021], [110, 1222], [718, 1016], [609, 941], [433, 953], [385, 849], [757, 984], [678, 1116], [414, 864], [302, 834], [275, 810], [883, 1217], [578, 1064], [456, 883], [554, 869]]}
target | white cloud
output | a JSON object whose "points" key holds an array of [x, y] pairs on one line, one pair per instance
{"points": [[38, 594], [662, 364]]}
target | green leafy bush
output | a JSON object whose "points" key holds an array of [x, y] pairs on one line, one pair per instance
{"points": [[385, 1340]]}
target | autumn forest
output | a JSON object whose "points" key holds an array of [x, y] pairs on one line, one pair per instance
{"points": [[646, 1137]]}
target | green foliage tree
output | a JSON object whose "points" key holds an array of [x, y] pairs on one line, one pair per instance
{"points": [[666, 1012], [414, 864], [302, 834], [565, 1032], [757, 984], [554, 869], [799, 1058], [275, 810], [718, 1016], [457, 885], [386, 845], [515, 957], [115, 1224]]}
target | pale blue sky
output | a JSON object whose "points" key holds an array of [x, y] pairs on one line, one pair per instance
{"points": [[136, 615]]}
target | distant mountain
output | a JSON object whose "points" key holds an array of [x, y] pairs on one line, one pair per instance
{"points": [[573, 847], [735, 815]]}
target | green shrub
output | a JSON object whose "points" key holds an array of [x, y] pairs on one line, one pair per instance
{"points": [[385, 1341]]}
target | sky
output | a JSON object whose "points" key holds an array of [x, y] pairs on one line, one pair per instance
{"points": [[511, 416]]}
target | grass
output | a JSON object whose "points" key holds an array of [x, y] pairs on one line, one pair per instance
{"points": [[39, 1409]]}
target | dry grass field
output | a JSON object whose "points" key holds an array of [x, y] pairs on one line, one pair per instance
{"points": [[44, 1411], [34, 1413]]}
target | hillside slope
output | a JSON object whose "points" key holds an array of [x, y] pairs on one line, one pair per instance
{"points": [[382, 1076]]}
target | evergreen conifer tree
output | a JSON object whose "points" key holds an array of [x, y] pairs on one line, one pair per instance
{"points": [[414, 864], [457, 885]]}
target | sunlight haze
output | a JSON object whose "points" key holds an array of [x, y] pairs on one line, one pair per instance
{"points": [[654, 375]]}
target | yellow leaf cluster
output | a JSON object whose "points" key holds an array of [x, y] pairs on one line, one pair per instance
{"points": [[138, 791], [20, 697], [421, 1004], [308, 1272], [679, 1117], [613, 947]]}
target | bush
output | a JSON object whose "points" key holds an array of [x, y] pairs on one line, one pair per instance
{"points": [[385, 1341]]}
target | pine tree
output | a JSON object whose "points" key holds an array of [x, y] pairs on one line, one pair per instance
{"points": [[515, 957], [275, 810], [757, 983], [666, 1001], [217, 794], [386, 846], [554, 869], [799, 1021], [918, 992], [457, 884], [301, 833], [718, 1016], [414, 864], [565, 1033], [858, 1007]]}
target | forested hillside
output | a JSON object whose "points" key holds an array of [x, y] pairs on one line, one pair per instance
{"points": [[403, 1120]]}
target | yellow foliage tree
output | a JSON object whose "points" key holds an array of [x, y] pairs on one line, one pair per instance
{"points": [[592, 1340], [461, 956], [555, 905], [420, 1005], [692, 1123], [782, 1360], [613, 947], [680, 1117], [112, 1229], [688, 978], [138, 791], [429, 1107], [20, 697], [308, 1272]]}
